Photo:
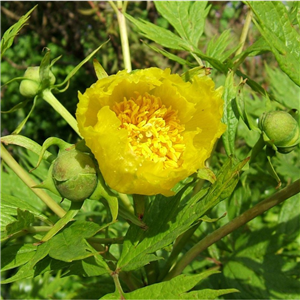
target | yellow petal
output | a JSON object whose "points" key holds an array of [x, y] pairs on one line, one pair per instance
{"points": [[149, 129]]}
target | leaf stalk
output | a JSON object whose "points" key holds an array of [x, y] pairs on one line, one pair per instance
{"points": [[236, 223]]}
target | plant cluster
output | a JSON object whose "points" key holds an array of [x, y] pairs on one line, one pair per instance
{"points": [[166, 169]]}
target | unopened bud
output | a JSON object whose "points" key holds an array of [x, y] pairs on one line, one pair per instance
{"points": [[30, 87], [280, 130], [74, 175]]}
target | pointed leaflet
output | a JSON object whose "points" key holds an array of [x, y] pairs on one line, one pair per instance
{"points": [[24, 220], [160, 35], [27, 143], [229, 116], [168, 39], [70, 244], [176, 288], [12, 32], [10, 205], [14, 256], [24, 272], [22, 124], [275, 26], [217, 45], [73, 72], [167, 218], [100, 72], [186, 17]]}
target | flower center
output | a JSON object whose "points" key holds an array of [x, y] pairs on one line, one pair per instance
{"points": [[153, 129]]}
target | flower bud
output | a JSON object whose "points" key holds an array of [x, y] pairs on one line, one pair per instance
{"points": [[30, 87], [280, 130], [74, 175]]}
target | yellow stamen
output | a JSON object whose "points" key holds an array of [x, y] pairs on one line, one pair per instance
{"points": [[154, 130]]}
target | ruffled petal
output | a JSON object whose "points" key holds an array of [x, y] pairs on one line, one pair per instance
{"points": [[185, 125]]}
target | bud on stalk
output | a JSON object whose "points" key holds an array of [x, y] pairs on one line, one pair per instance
{"points": [[74, 175], [280, 131], [30, 86]]}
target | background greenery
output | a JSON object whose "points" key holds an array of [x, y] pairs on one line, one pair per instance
{"points": [[260, 259]]}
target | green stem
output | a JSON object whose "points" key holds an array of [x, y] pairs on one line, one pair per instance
{"points": [[125, 203], [24, 176], [236, 223], [152, 271], [120, 10], [25, 231], [130, 280], [37, 229], [177, 248], [244, 33], [115, 277], [198, 60], [49, 98], [71, 213]]}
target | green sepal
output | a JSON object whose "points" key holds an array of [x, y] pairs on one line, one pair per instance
{"points": [[99, 70], [106, 196], [110, 200], [49, 142], [44, 72], [48, 183]]}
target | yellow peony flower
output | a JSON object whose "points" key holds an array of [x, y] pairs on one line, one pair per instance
{"points": [[149, 129]]}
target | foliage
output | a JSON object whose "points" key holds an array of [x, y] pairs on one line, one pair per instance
{"points": [[231, 231]]}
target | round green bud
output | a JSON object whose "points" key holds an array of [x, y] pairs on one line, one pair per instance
{"points": [[74, 175], [280, 130], [30, 87]]}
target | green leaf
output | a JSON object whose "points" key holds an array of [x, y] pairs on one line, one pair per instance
{"points": [[258, 278], [285, 90], [229, 116], [288, 219], [206, 174], [74, 71], [44, 70], [24, 272], [176, 288], [17, 107], [22, 124], [217, 45], [188, 18], [16, 255], [24, 220], [158, 34], [70, 244], [273, 22], [13, 31], [88, 267], [168, 55], [197, 71], [10, 205], [14, 186], [227, 179], [167, 218], [27, 143], [216, 63]]}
